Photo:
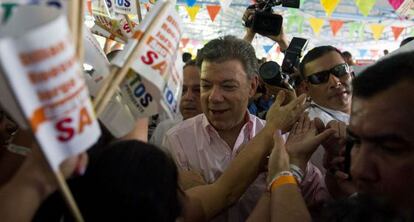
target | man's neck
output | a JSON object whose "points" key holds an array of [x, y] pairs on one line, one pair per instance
{"points": [[230, 135]]}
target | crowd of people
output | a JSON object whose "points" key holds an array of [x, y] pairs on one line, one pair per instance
{"points": [[336, 148]]}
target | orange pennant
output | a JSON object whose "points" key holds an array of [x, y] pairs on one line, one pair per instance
{"points": [[213, 10], [397, 31], [184, 41], [336, 25]]}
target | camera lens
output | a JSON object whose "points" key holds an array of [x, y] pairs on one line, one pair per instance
{"points": [[270, 73]]}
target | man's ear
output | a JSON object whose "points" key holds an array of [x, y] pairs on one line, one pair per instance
{"points": [[254, 83]]}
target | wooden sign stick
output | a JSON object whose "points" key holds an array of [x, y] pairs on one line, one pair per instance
{"points": [[121, 72]]}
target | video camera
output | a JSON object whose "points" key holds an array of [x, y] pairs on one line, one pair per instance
{"points": [[274, 75], [264, 21]]}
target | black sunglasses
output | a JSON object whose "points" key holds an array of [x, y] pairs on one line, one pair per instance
{"points": [[323, 76]]}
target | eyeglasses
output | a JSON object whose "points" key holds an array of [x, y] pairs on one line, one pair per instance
{"points": [[323, 76]]}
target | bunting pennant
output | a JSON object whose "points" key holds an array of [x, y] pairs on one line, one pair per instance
{"points": [[395, 3], [213, 10], [374, 52], [329, 6], [185, 41], [267, 48], [396, 31], [316, 24], [225, 4], [362, 52], [278, 50], [336, 25], [300, 21], [377, 30], [190, 3], [192, 11], [365, 6]]}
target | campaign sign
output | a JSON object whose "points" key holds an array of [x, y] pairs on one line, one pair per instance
{"points": [[46, 80], [156, 61]]}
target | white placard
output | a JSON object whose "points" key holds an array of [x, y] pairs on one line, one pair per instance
{"points": [[47, 80], [156, 62]]}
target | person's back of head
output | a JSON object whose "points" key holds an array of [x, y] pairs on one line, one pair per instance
{"points": [[406, 40], [129, 181], [229, 48], [187, 57]]}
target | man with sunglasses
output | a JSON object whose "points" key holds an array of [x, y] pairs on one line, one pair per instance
{"points": [[327, 80]]}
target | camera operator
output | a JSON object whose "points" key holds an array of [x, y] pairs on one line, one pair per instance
{"points": [[281, 38]]}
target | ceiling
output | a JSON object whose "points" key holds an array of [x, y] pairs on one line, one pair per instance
{"points": [[229, 22]]}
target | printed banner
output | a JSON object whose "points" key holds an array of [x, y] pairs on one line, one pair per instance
{"points": [[157, 67], [47, 81], [125, 6]]}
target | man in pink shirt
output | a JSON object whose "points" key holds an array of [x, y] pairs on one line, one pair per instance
{"points": [[208, 142]]}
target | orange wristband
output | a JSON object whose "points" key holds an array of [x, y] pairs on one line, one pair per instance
{"points": [[282, 180]]}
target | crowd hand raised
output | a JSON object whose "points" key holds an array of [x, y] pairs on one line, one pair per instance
{"points": [[335, 144], [284, 116], [279, 158], [304, 139]]}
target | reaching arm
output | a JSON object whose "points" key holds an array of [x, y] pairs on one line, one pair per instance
{"points": [[242, 171]]}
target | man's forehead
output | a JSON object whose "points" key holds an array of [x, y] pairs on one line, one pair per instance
{"points": [[382, 115], [227, 69], [325, 62]]}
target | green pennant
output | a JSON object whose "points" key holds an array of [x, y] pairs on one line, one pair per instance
{"points": [[361, 31], [300, 22], [8, 8], [290, 22]]}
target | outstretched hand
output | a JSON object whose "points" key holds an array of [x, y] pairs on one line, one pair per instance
{"points": [[284, 116], [304, 139]]}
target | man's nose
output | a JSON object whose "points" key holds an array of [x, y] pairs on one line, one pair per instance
{"points": [[363, 164], [216, 95], [334, 81]]}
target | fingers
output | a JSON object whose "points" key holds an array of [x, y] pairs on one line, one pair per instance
{"points": [[324, 135], [280, 98], [319, 125]]}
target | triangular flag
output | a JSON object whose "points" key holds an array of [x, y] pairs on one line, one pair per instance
{"points": [[395, 3], [377, 30], [329, 6], [278, 50], [362, 52], [267, 48], [192, 11], [190, 3], [290, 21], [336, 25], [396, 31], [184, 41], [316, 24], [300, 21], [89, 6], [374, 52], [365, 6], [213, 10], [225, 4]]}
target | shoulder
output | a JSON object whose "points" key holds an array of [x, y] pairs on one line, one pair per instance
{"points": [[186, 127]]}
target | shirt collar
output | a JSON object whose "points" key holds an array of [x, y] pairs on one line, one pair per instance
{"points": [[210, 130], [338, 114]]}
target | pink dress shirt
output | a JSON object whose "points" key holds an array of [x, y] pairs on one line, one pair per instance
{"points": [[196, 145]]}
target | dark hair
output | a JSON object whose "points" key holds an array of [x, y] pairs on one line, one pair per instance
{"points": [[406, 40], [129, 181], [227, 48], [187, 57], [314, 54], [346, 54], [384, 74]]}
